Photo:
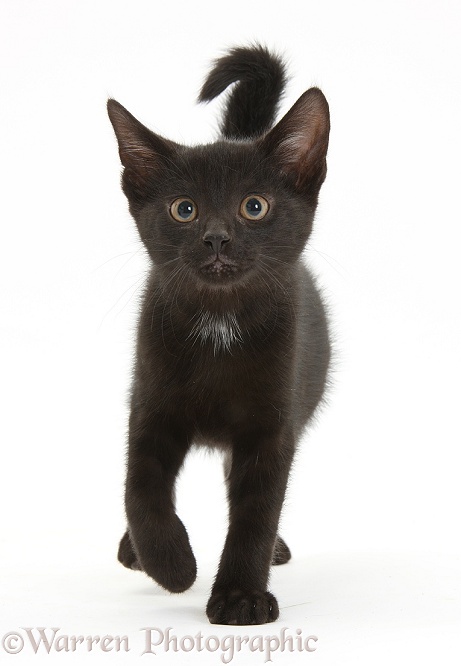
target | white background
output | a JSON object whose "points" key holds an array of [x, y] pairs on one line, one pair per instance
{"points": [[372, 514]]}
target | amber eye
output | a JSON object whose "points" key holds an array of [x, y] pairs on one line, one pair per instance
{"points": [[183, 210], [254, 207]]}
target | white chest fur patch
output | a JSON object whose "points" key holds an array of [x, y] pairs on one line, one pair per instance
{"points": [[222, 330]]}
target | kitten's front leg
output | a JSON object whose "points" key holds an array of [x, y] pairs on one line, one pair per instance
{"points": [[158, 537], [256, 489]]}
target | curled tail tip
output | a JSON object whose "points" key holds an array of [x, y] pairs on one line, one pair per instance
{"points": [[260, 78], [244, 63]]}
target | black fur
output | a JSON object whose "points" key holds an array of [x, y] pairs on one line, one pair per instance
{"points": [[251, 108], [232, 347]]}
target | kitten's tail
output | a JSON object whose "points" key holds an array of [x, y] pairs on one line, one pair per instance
{"points": [[252, 105]]}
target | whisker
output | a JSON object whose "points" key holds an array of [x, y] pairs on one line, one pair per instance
{"points": [[135, 284], [123, 254], [133, 254], [279, 261], [309, 246]]}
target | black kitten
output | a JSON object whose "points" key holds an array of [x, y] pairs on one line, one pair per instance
{"points": [[232, 346]]}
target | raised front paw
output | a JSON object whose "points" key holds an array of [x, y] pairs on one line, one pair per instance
{"points": [[237, 607], [167, 557]]}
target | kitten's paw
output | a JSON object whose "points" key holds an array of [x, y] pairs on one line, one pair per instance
{"points": [[169, 559], [281, 552], [237, 607], [126, 554]]}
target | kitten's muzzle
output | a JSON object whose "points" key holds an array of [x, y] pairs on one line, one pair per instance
{"points": [[218, 264]]}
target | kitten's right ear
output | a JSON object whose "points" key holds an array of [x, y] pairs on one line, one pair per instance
{"points": [[142, 152]]}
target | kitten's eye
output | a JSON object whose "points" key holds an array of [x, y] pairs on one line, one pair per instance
{"points": [[254, 207], [183, 210]]}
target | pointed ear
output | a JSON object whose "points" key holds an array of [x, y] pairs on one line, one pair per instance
{"points": [[299, 141], [142, 152]]}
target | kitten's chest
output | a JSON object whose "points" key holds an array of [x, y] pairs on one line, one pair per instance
{"points": [[229, 391], [220, 332], [216, 369]]}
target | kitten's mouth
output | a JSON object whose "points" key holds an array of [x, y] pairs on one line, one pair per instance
{"points": [[219, 266]]}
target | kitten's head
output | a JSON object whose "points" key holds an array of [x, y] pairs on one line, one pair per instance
{"points": [[230, 210]]}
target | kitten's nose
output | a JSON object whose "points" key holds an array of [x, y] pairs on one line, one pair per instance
{"points": [[216, 240]]}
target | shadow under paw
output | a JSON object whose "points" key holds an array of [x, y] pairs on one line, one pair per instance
{"points": [[242, 608]]}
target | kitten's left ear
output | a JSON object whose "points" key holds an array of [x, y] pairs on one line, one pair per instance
{"points": [[299, 141]]}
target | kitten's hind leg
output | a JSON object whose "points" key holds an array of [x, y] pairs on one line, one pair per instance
{"points": [[126, 554], [281, 553]]}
